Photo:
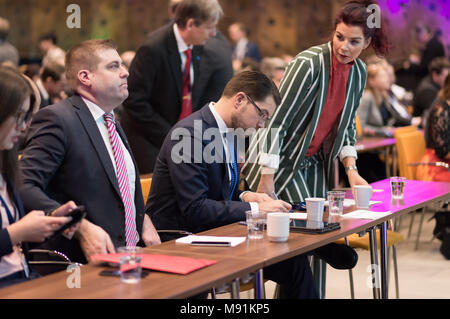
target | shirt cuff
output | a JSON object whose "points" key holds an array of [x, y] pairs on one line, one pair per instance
{"points": [[254, 207], [348, 151], [269, 160]]}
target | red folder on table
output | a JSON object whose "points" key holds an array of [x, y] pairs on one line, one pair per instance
{"points": [[174, 264]]}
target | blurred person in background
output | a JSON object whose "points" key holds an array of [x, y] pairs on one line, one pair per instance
{"points": [[8, 53]]}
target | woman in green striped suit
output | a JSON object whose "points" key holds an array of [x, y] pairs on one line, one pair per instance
{"points": [[293, 157]]}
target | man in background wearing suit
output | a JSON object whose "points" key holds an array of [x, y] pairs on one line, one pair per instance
{"points": [[195, 192], [242, 48], [76, 151], [172, 75]]}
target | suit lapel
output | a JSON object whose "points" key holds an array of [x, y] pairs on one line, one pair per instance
{"points": [[87, 121], [175, 63], [324, 75], [221, 163]]}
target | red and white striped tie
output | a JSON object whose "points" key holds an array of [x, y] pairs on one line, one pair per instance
{"points": [[122, 179]]}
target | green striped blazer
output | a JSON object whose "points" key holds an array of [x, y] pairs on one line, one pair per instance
{"points": [[303, 90]]}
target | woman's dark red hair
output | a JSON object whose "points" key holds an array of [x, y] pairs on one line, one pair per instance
{"points": [[355, 12]]}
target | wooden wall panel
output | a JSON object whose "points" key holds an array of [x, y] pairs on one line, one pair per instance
{"points": [[278, 26]]}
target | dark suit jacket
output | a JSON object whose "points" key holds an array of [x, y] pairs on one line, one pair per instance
{"points": [[192, 196], [155, 86], [66, 159], [252, 51], [5, 241]]}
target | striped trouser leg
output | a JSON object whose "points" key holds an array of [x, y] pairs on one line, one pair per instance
{"points": [[310, 182]]}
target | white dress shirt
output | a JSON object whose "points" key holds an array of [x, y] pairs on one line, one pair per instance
{"points": [[182, 47]]}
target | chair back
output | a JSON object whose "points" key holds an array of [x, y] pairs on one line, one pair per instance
{"points": [[145, 186], [410, 148], [404, 129]]}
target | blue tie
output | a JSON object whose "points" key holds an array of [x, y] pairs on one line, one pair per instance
{"points": [[234, 175]]}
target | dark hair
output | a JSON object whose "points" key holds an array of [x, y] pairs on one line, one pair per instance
{"points": [[14, 89], [49, 36], [53, 71], [444, 94], [84, 56], [254, 84], [199, 10], [354, 12], [437, 65]]}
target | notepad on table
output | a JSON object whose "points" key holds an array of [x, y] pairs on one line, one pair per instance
{"points": [[365, 214], [166, 263], [211, 240]]}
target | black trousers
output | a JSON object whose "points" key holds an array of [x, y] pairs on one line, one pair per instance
{"points": [[294, 277]]}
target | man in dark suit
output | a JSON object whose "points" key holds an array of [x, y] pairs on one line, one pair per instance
{"points": [[172, 75], [76, 151], [243, 48], [194, 185]]}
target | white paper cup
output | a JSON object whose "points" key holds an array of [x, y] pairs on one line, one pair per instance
{"points": [[362, 195], [278, 226], [314, 208]]}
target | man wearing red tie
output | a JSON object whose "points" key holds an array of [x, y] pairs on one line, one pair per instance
{"points": [[173, 75], [76, 149]]}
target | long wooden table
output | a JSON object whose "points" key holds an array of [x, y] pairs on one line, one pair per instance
{"points": [[233, 262]]}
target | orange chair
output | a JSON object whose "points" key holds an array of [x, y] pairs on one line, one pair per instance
{"points": [[146, 183], [410, 149]]}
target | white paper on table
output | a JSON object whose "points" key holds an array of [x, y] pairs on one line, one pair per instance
{"points": [[298, 215], [350, 202], [365, 214], [234, 241]]}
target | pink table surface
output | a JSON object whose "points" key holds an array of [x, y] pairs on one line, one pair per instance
{"points": [[417, 194]]}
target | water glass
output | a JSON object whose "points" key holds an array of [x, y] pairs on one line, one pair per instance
{"points": [[397, 187], [335, 202], [255, 224], [130, 264]]}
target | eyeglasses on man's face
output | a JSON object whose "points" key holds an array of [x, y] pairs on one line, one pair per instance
{"points": [[262, 114]]}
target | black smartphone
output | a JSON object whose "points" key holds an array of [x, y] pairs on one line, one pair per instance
{"points": [[116, 273], [304, 226], [77, 214]]}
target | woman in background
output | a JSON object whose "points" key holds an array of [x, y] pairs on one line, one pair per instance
{"points": [[18, 102], [437, 135]]}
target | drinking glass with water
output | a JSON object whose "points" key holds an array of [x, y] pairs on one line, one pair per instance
{"points": [[255, 224], [397, 187]]}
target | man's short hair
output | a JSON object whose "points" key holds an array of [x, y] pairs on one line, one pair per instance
{"points": [[255, 84], [437, 65], [52, 70], [85, 56], [199, 10], [4, 29], [49, 37]]}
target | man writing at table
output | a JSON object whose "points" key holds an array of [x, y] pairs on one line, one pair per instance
{"points": [[194, 191], [75, 150]]}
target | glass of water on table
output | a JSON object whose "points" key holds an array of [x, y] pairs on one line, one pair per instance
{"points": [[397, 187], [256, 221], [335, 202]]}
